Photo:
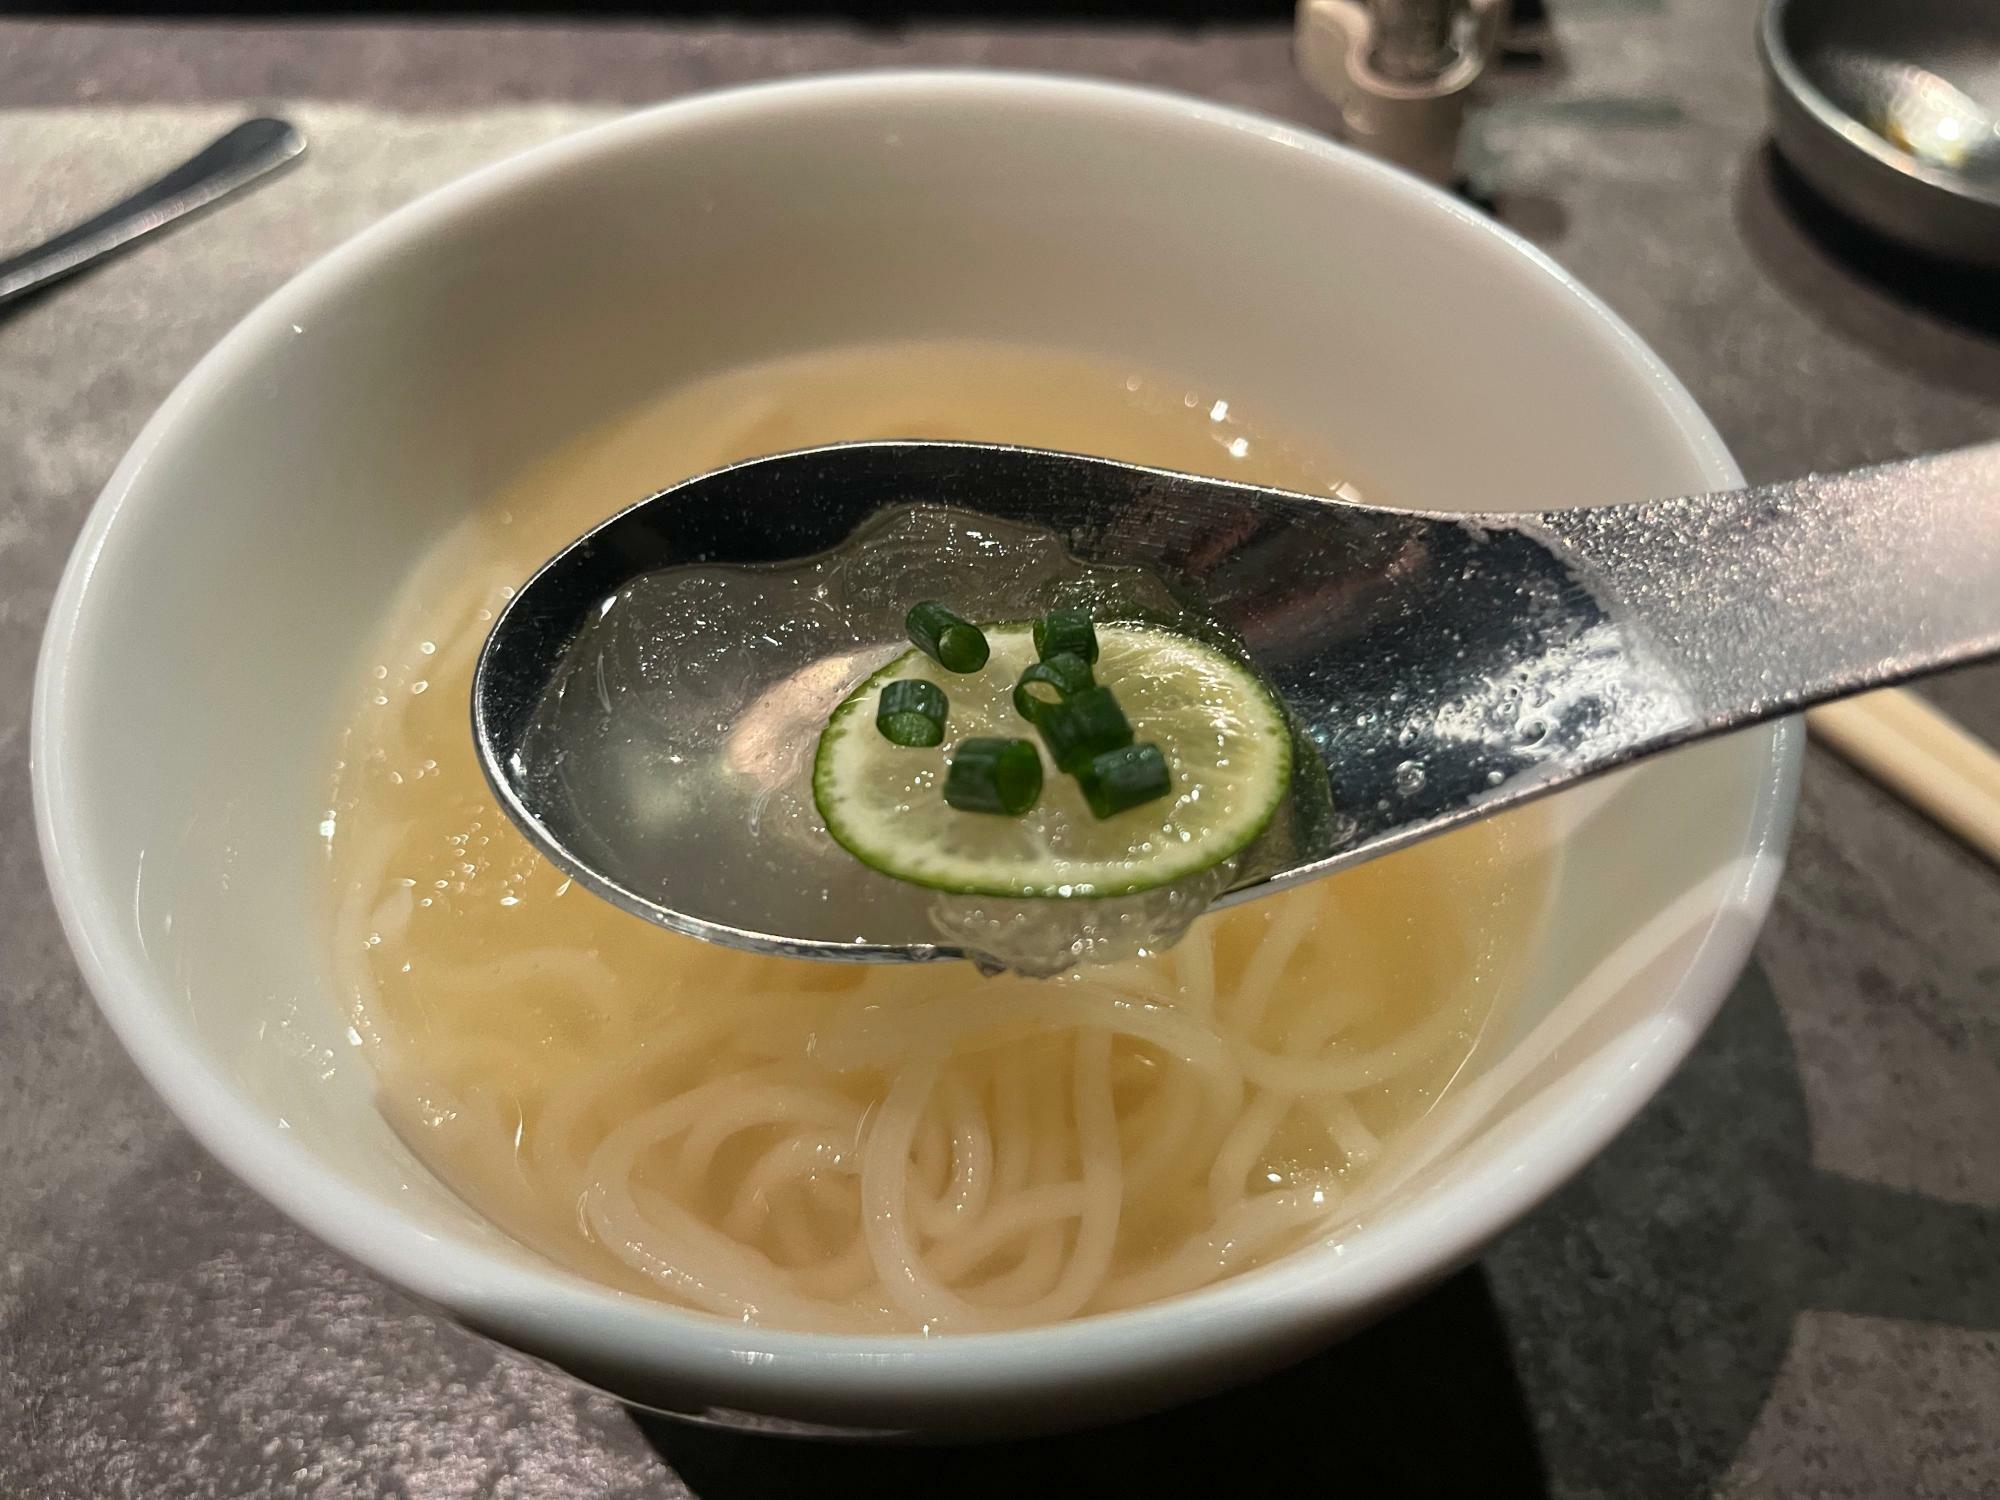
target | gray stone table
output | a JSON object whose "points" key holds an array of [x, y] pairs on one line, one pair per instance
{"points": [[1784, 1280]]}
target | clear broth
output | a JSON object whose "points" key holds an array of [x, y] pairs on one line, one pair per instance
{"points": [[873, 1149]]}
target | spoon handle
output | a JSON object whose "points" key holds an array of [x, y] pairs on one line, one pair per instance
{"points": [[1768, 600], [233, 160]]}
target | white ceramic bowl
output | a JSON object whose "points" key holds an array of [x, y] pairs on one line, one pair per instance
{"points": [[221, 592]]}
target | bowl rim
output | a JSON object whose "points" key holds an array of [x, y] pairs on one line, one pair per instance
{"points": [[1787, 75], [551, 1308]]}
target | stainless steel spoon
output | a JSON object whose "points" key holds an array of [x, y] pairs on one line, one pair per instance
{"points": [[1444, 666], [231, 161]]}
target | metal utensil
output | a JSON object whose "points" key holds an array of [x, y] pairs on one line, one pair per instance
{"points": [[1892, 113], [1445, 667], [233, 160]]}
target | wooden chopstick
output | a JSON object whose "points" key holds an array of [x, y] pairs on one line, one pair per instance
{"points": [[1922, 755]]}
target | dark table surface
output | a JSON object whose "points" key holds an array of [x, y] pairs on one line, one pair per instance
{"points": [[1783, 1280]]}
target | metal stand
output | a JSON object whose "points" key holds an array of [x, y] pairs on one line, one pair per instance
{"points": [[1399, 71]]}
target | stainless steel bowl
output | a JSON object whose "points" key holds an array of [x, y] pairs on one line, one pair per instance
{"points": [[1891, 111]]}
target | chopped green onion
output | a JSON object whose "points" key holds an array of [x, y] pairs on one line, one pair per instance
{"points": [[1082, 727], [1123, 778], [911, 712], [955, 644], [1066, 630], [994, 776], [1048, 683]]}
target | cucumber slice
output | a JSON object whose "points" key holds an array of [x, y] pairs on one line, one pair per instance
{"points": [[1227, 747]]}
